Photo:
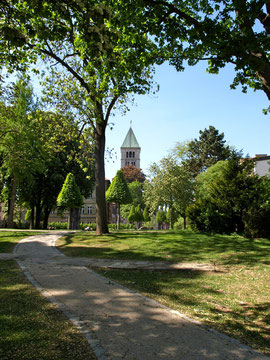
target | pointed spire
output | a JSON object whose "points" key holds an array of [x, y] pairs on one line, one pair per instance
{"points": [[130, 140]]}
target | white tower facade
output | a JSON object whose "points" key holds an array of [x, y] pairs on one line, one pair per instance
{"points": [[130, 151]]}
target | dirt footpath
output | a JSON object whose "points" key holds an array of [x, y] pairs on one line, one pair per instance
{"points": [[118, 323]]}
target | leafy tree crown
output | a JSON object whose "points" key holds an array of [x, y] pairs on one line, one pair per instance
{"points": [[118, 191], [70, 196]]}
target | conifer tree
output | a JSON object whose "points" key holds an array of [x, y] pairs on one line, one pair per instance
{"points": [[71, 198], [132, 215], [146, 216], [118, 193]]}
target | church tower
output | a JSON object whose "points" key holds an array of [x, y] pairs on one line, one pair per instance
{"points": [[130, 151]]}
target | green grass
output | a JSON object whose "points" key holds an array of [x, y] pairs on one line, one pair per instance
{"points": [[176, 246], [234, 300], [9, 239], [31, 327]]}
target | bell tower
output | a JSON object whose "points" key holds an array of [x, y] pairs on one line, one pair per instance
{"points": [[130, 150]]}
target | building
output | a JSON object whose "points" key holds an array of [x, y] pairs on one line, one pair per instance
{"points": [[130, 151], [262, 164]]}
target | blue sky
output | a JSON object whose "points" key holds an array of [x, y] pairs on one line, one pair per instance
{"points": [[187, 102]]}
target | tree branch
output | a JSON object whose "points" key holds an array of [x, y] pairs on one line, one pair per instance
{"points": [[112, 103], [51, 54], [173, 9]]}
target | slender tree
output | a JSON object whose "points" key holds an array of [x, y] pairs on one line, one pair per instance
{"points": [[118, 193], [71, 198]]}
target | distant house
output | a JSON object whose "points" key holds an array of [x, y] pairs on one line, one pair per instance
{"points": [[262, 164]]}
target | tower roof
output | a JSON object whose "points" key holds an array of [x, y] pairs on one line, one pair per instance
{"points": [[130, 140]]}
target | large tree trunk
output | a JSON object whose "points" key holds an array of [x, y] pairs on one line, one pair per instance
{"points": [[74, 219], [101, 215], [46, 217], [32, 220], [38, 215], [12, 203]]}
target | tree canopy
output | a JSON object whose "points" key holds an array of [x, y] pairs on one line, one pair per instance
{"points": [[206, 151], [216, 31]]}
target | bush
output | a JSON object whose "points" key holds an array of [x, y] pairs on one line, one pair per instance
{"points": [[122, 227], [58, 225], [91, 226], [257, 222], [179, 224], [205, 217]]}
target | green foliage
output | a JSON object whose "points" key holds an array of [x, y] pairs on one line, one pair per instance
{"points": [[206, 151], [118, 191], [135, 189], [160, 217], [138, 214], [90, 226], [70, 196], [122, 227], [219, 31], [132, 214], [58, 225], [170, 185], [230, 199], [97, 61], [146, 216], [28, 215]]}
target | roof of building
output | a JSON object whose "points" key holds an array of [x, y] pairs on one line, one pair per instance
{"points": [[130, 140], [261, 157]]}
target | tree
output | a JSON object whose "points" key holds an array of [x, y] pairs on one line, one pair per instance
{"points": [[171, 186], [224, 195], [132, 214], [19, 143], [218, 31], [93, 54], [71, 198], [135, 189], [206, 151], [133, 174], [146, 216], [63, 148], [160, 217], [118, 193]]}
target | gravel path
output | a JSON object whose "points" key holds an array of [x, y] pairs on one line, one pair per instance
{"points": [[119, 323]]}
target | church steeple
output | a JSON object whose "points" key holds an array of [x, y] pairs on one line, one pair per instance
{"points": [[130, 150]]}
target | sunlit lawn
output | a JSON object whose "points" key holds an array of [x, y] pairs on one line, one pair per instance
{"points": [[172, 246], [235, 299]]}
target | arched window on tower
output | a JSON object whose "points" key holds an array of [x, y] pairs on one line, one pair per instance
{"points": [[133, 154], [127, 154], [130, 154]]}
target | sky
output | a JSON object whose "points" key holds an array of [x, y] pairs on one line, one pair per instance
{"points": [[186, 103]]}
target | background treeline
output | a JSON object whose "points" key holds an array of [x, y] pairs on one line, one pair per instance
{"points": [[37, 150]]}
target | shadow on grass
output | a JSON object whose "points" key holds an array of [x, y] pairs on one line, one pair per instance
{"points": [[171, 246], [9, 239]]}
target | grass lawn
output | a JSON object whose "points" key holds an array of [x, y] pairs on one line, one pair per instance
{"points": [[9, 239], [31, 327], [235, 299]]}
